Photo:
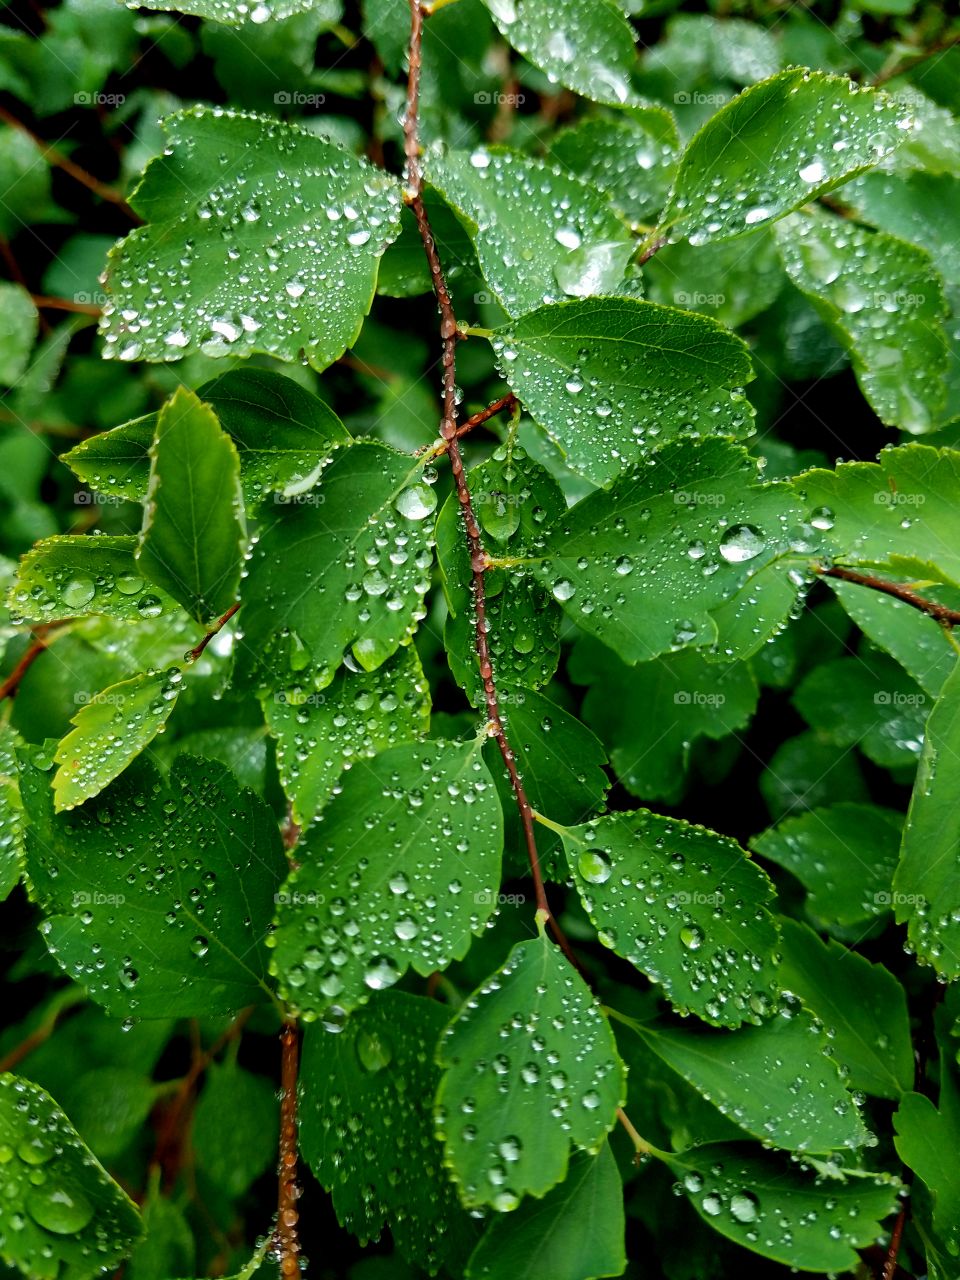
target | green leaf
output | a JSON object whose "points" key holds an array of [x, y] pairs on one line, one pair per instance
{"points": [[806, 772], [167, 1248], [71, 577], [109, 1106], [632, 160], [868, 701], [231, 11], [235, 1127], [18, 332], [530, 1069], [344, 565], [303, 226], [764, 1202], [727, 280], [560, 762], [176, 938], [927, 1135], [576, 1232], [844, 856], [651, 715], [539, 233], [921, 208], [883, 300], [402, 868], [902, 512], [112, 728], [11, 813], [282, 433], [776, 1081], [194, 534], [771, 150], [609, 379], [378, 1076], [74, 1221], [321, 733], [862, 1006], [516, 501], [591, 51], [927, 883], [917, 641], [643, 566], [683, 904]]}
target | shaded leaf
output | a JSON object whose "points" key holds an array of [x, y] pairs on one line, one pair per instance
{"points": [[631, 160], [235, 1127]]}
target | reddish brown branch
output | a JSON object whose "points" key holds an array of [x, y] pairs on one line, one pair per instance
{"points": [[217, 627], [508, 402], [43, 302], [287, 1236], [939, 612], [652, 248], [57, 158], [41, 641], [449, 336], [893, 1250]]}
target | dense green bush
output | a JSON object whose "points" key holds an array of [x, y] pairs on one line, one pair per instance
{"points": [[524, 849]]}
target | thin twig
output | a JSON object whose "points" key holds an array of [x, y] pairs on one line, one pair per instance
{"points": [[57, 158], [217, 627], [287, 1236], [448, 430], [893, 1251], [39, 1035], [900, 68], [41, 641], [939, 612], [508, 402], [44, 302]]}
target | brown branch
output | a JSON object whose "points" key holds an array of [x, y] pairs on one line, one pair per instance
{"points": [[893, 1251], [41, 640], [652, 248], [39, 1036], [900, 68], [449, 335], [57, 158], [508, 402], [217, 627], [287, 1236], [43, 302], [939, 612]]}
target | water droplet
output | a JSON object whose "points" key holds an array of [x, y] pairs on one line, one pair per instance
{"points": [[741, 542]]}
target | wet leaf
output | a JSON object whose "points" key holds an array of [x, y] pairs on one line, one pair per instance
{"points": [[401, 869], [684, 905], [301, 225], [530, 1069]]}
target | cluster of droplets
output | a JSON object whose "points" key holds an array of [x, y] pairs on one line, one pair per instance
{"points": [[55, 1200], [266, 259], [889, 303], [549, 1070], [400, 879], [104, 580], [569, 242], [632, 164], [607, 405], [831, 130], [687, 908]]}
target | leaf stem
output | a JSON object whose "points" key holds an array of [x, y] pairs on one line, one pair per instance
{"points": [[287, 1235], [640, 1145], [508, 402], [939, 612], [217, 627], [449, 335]]}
